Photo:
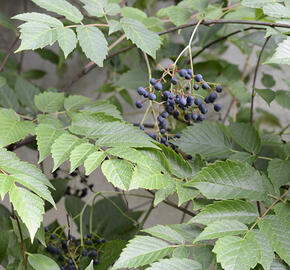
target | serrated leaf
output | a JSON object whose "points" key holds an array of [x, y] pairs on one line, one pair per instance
{"points": [[33, 74], [162, 193], [49, 55], [35, 35], [185, 193], [240, 91], [283, 98], [8, 98], [5, 184], [256, 3], [246, 136], [181, 252], [39, 18], [265, 250], [93, 161], [118, 172], [79, 154], [242, 211], [104, 106], [206, 139], [283, 210], [146, 40], [114, 26], [244, 157], [279, 172], [40, 261], [142, 250], [61, 7], [221, 228], [266, 94], [235, 253], [229, 180], [67, 40], [90, 266], [62, 147], [175, 264], [204, 255], [100, 8], [45, 136], [166, 233], [29, 207], [49, 102], [93, 43], [276, 10], [76, 101], [13, 130], [188, 231], [281, 55], [178, 15], [277, 230]]}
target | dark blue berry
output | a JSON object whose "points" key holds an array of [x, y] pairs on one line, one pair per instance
{"points": [[96, 261], [158, 86], [89, 242], [164, 114], [152, 96], [207, 99], [194, 117], [63, 267], [162, 131], [141, 127], [182, 102], [195, 87], [166, 94], [141, 90], [93, 254], [189, 157], [170, 109], [153, 135], [153, 81], [163, 139], [189, 71], [201, 118], [198, 78], [177, 135], [197, 101], [217, 107], [70, 261], [189, 100], [183, 72], [46, 228], [163, 124], [103, 240], [187, 116], [174, 81], [61, 258], [212, 97], [203, 109], [187, 88], [219, 89], [187, 77], [145, 94], [175, 114], [160, 118], [205, 85], [84, 253], [166, 143], [139, 104], [58, 251]]}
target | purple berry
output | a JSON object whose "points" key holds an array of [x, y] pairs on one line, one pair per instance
{"points": [[141, 90], [145, 94], [217, 107], [197, 101], [158, 86], [153, 81], [196, 87], [187, 76], [139, 104], [152, 96], [205, 85], [198, 78], [182, 102], [174, 81], [219, 89], [183, 72], [190, 72], [194, 117]]}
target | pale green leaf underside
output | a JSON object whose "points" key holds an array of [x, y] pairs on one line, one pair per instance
{"points": [[142, 250], [222, 228], [229, 180], [242, 211], [74, 102], [276, 10], [67, 40], [281, 55], [39, 18], [93, 161], [185, 193], [49, 102], [118, 172], [176, 264], [256, 3], [40, 261], [279, 171]]}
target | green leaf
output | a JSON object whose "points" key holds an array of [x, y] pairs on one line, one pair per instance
{"points": [[242, 211], [181, 252], [93, 43], [204, 255], [90, 266], [162, 193], [45, 136], [281, 55], [166, 233], [114, 26], [222, 228], [39, 18], [33, 74], [40, 261], [268, 80], [142, 250], [76, 101], [279, 171], [178, 15], [35, 35], [178, 165], [127, 97], [133, 13], [266, 94], [185, 193], [146, 40], [188, 231], [62, 147], [206, 139], [244, 157], [13, 130], [6, 22], [100, 8], [61, 7], [235, 253], [283, 98], [79, 154], [256, 3], [118, 172], [93, 161], [49, 102], [5, 184], [67, 40], [29, 207], [132, 79], [246, 136], [175, 264], [277, 230], [276, 10], [8, 99], [104, 106], [266, 252], [283, 210], [4, 241], [49, 55], [229, 180]]}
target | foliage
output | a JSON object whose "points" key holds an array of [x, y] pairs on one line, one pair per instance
{"points": [[233, 168]]}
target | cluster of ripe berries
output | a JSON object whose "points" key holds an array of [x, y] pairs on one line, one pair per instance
{"points": [[182, 101], [63, 248]]}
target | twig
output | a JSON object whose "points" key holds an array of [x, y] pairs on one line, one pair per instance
{"points": [[183, 214], [9, 52], [254, 80]]}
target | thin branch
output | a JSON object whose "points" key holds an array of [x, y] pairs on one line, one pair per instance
{"points": [[183, 214], [254, 80], [21, 143], [9, 52]]}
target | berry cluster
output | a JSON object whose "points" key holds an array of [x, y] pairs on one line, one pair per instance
{"points": [[181, 100], [70, 252]]}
